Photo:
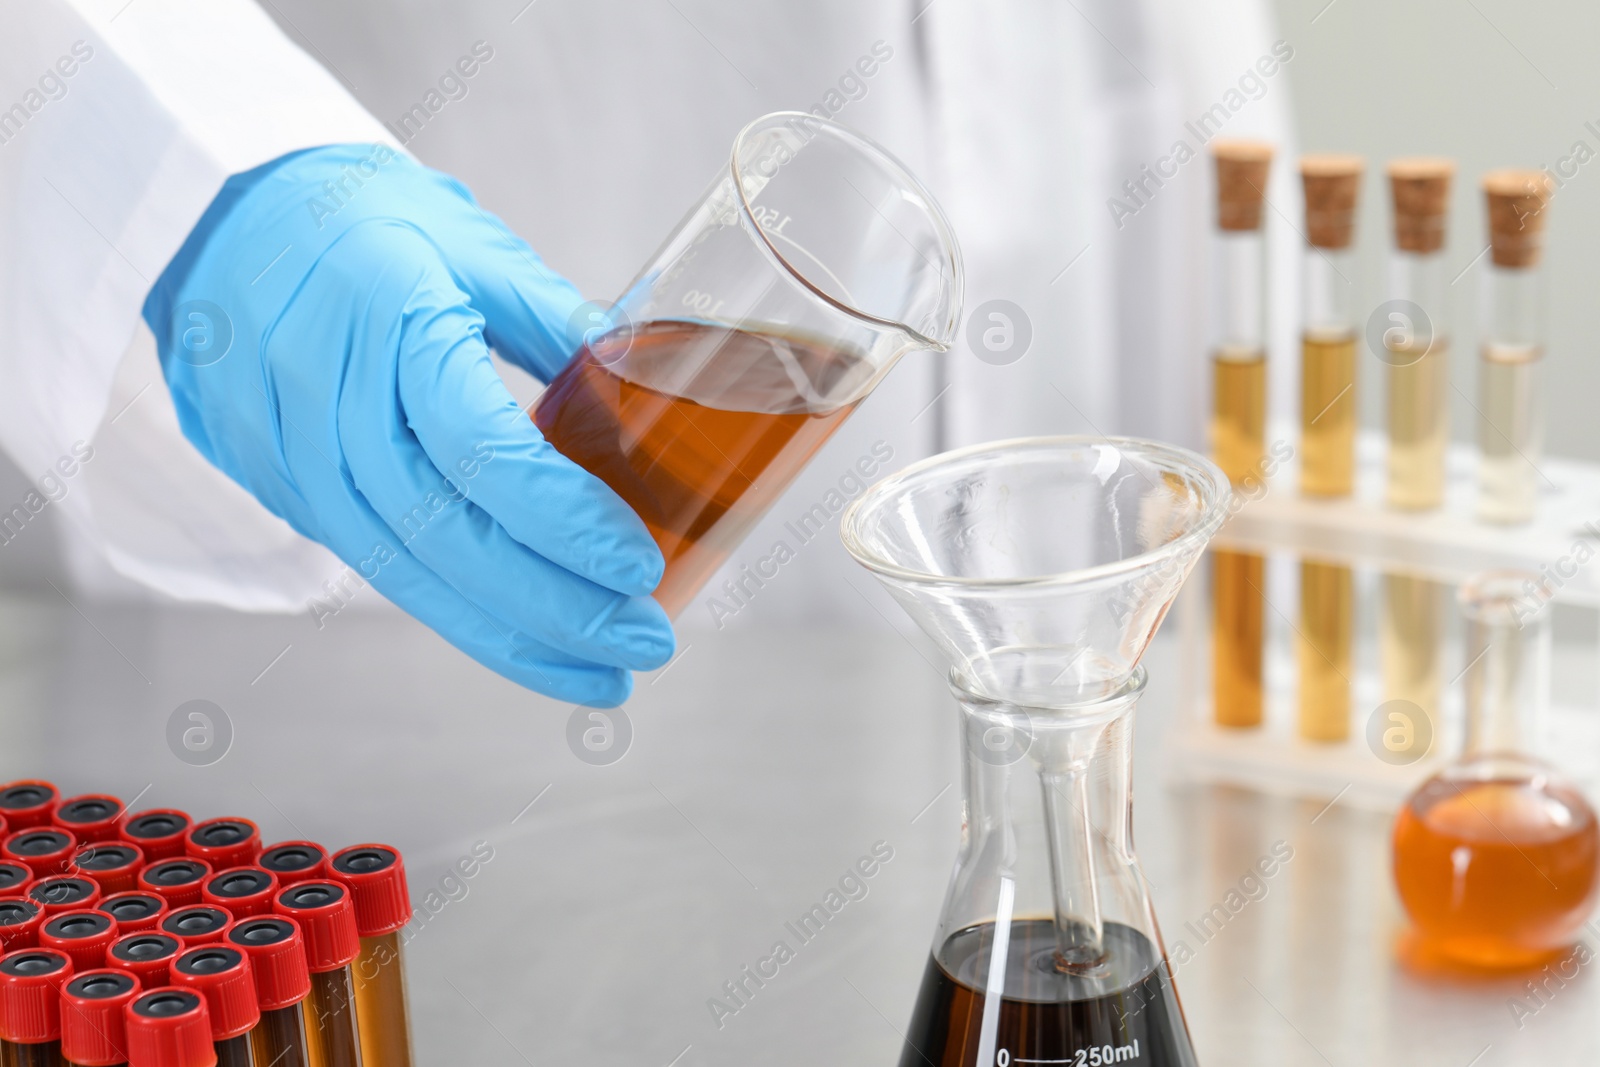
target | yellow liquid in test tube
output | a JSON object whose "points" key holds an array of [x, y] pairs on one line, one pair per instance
{"points": [[1238, 443]]}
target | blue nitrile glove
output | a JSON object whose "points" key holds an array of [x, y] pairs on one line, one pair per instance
{"points": [[325, 332]]}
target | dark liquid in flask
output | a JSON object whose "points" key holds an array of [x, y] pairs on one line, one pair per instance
{"points": [[1130, 1014], [699, 428]]}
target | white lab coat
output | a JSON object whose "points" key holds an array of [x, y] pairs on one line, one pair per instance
{"points": [[590, 129]]}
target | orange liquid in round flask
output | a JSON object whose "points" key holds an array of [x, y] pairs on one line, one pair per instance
{"points": [[1497, 858]]}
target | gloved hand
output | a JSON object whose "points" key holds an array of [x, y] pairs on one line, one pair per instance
{"points": [[325, 332]]}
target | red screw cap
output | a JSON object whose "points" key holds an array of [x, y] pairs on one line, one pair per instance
{"points": [[179, 881], [45, 849], [93, 1030], [83, 935], [245, 891], [159, 832], [93, 816], [27, 803], [224, 843], [221, 974], [30, 995], [64, 893], [147, 956], [277, 956], [135, 911], [15, 878], [376, 876], [327, 920], [199, 924], [295, 861], [20, 921], [169, 1028], [114, 865]]}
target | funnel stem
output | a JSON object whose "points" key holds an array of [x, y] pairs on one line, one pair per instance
{"points": [[1080, 935]]}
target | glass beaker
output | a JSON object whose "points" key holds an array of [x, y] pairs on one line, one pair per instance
{"points": [[1042, 567], [1497, 857], [813, 263]]}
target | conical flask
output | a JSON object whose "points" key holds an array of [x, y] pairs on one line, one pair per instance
{"points": [[1042, 567]]}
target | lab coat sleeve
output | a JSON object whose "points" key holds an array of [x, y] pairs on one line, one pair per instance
{"points": [[119, 122]]}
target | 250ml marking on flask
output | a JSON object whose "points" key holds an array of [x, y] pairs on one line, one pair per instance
{"points": [[1092, 1057]]}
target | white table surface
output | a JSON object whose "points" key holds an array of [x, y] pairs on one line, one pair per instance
{"points": [[763, 763]]}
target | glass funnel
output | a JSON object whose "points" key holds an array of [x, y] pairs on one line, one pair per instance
{"points": [[1042, 567], [811, 265]]}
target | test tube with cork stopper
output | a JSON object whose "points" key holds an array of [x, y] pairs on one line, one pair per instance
{"points": [[83, 935], [1239, 420], [159, 832], [147, 955], [1416, 354], [283, 983], [198, 924], [46, 850], [327, 921], [179, 881], [169, 1027], [94, 1032], [376, 876], [30, 1006], [295, 861], [1327, 435], [244, 891], [114, 865], [91, 817], [135, 912], [224, 843], [222, 975], [27, 803], [1511, 354]]}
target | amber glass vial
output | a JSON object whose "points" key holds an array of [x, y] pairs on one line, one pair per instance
{"points": [[30, 1007], [1239, 420], [376, 876], [221, 974], [327, 921], [169, 1028], [1327, 435], [283, 982], [93, 1030]]}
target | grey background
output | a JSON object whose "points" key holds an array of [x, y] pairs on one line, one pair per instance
{"points": [[1490, 83]]}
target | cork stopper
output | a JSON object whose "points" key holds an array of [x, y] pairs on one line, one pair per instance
{"points": [[1421, 191], [1242, 168], [1517, 202], [1331, 184]]}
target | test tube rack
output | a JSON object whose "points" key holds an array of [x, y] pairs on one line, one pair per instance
{"points": [[1446, 545]]}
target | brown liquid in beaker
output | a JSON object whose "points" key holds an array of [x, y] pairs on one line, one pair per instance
{"points": [[706, 429], [1498, 873], [1040, 1020]]}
